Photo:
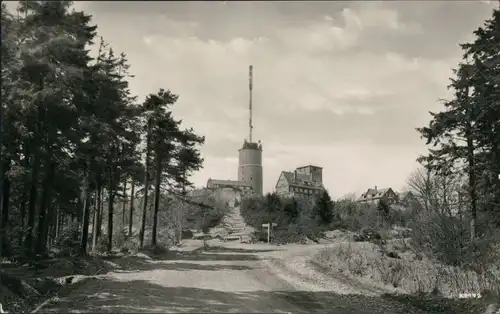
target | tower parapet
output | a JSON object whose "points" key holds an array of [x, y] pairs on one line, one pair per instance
{"points": [[250, 145]]}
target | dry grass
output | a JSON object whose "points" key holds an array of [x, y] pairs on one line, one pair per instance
{"points": [[394, 267], [391, 271]]}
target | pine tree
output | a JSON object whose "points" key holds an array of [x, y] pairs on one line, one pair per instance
{"points": [[161, 131], [384, 211], [466, 134], [8, 132], [52, 58], [323, 209], [291, 208], [70, 132], [484, 53]]}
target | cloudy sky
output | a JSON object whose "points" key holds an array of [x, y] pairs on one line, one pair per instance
{"points": [[339, 84]]}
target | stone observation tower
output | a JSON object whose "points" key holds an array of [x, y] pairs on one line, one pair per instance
{"points": [[250, 155]]}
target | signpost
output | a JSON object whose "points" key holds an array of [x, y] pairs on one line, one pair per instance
{"points": [[269, 230]]}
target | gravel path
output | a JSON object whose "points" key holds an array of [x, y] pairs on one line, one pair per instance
{"points": [[227, 279]]}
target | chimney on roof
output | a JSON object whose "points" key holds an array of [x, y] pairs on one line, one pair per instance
{"points": [[295, 175], [375, 188]]}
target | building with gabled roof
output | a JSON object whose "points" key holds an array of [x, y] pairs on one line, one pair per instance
{"points": [[407, 198], [374, 195], [303, 182]]}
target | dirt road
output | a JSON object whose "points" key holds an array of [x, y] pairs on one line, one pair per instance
{"points": [[220, 280]]}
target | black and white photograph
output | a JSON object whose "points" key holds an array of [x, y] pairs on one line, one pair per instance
{"points": [[293, 157]]}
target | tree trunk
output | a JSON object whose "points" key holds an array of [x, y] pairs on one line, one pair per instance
{"points": [[24, 194], [203, 223], [111, 196], [146, 185], [4, 206], [22, 210], [101, 212], [85, 208], [428, 188], [446, 204], [41, 244], [58, 223], [93, 206], [35, 173], [55, 221], [96, 219], [157, 198], [184, 182], [131, 211], [472, 181], [124, 203], [3, 224]]}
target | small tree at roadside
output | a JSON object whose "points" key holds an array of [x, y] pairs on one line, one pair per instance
{"points": [[384, 210], [291, 209], [324, 209]]}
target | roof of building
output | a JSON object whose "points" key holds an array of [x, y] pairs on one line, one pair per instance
{"points": [[301, 180], [227, 182], [402, 195], [312, 166], [373, 194]]}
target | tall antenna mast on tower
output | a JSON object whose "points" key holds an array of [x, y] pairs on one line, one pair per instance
{"points": [[250, 83]]}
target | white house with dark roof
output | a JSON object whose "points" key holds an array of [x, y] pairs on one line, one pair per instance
{"points": [[374, 195], [304, 182]]}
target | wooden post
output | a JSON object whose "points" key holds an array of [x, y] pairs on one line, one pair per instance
{"points": [[269, 226], [268, 233]]}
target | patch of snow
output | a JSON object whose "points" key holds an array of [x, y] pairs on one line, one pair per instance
{"points": [[142, 255]]}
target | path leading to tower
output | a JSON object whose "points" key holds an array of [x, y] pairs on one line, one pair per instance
{"points": [[225, 279], [232, 226]]}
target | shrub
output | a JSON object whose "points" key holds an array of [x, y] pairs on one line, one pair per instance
{"points": [[293, 226], [155, 250], [67, 242], [447, 240], [102, 243], [354, 216], [355, 261], [287, 236], [391, 271], [252, 210], [323, 209], [187, 234], [368, 234], [259, 236], [119, 238], [401, 217]]}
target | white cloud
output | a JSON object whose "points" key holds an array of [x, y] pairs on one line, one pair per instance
{"points": [[282, 82], [293, 73], [375, 16], [148, 40], [317, 66]]}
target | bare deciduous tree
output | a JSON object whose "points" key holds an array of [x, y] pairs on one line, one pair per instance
{"points": [[437, 192]]}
